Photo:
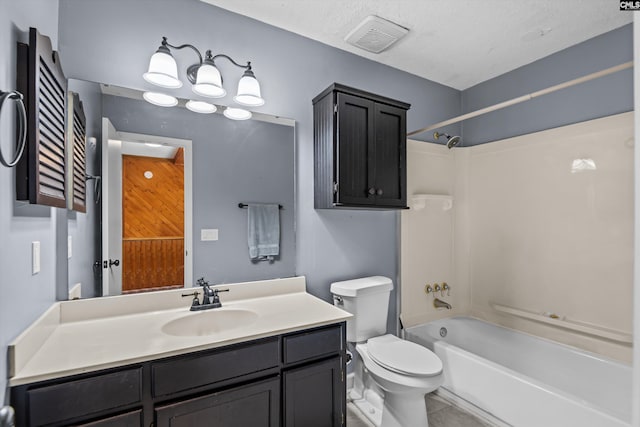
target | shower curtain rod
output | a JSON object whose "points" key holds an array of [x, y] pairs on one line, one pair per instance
{"points": [[527, 97]]}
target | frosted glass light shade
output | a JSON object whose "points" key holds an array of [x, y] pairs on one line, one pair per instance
{"points": [[163, 71], [160, 99], [200, 107], [209, 82], [249, 91], [237, 113]]}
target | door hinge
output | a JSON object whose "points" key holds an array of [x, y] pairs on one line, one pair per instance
{"points": [[335, 188], [335, 108]]}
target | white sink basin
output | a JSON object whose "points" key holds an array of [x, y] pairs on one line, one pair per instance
{"points": [[209, 322]]}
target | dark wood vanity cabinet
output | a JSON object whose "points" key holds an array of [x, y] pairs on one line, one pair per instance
{"points": [[294, 379], [360, 150]]}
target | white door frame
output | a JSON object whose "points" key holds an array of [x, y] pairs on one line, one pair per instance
{"points": [[112, 138]]}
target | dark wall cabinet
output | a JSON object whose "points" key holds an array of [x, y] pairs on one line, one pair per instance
{"points": [[360, 149], [295, 379]]}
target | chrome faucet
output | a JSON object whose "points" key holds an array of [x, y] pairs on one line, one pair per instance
{"points": [[438, 303], [210, 298]]}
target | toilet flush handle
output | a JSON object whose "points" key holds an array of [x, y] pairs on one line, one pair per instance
{"points": [[337, 300]]}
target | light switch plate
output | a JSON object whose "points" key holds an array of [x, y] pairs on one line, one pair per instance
{"points": [[208, 234], [69, 247], [35, 257]]}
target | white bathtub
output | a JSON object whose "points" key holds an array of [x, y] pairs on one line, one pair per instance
{"points": [[527, 381]]}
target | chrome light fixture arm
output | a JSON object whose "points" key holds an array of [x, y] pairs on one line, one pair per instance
{"points": [[182, 46]]}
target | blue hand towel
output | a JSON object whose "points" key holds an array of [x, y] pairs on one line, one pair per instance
{"points": [[264, 231]]}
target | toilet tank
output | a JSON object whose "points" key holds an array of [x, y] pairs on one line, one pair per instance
{"points": [[368, 300]]}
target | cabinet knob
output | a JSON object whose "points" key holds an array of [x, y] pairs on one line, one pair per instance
{"points": [[379, 192], [372, 191]]}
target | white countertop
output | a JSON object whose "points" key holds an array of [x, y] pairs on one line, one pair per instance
{"points": [[88, 335]]}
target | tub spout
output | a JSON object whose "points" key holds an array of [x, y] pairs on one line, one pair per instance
{"points": [[438, 303]]}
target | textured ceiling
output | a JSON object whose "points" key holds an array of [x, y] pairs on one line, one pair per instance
{"points": [[458, 43]]}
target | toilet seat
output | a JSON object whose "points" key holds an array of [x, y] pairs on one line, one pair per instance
{"points": [[403, 357]]}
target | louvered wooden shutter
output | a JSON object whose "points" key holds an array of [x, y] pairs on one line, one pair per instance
{"points": [[41, 176], [76, 157]]}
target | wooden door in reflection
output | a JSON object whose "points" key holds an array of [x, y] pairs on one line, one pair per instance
{"points": [[152, 222]]}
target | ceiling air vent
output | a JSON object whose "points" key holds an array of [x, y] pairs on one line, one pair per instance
{"points": [[375, 34]]}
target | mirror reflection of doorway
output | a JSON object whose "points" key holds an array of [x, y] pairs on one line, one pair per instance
{"points": [[153, 219], [146, 212]]}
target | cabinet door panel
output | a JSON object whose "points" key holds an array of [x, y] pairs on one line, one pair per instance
{"points": [[355, 134], [255, 405], [314, 395], [390, 155]]}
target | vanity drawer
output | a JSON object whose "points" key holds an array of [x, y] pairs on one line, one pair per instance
{"points": [[312, 344], [130, 419], [186, 373], [66, 401]]}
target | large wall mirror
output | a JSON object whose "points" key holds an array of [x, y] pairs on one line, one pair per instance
{"points": [[167, 204]]}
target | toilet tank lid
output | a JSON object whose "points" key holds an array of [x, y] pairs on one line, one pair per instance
{"points": [[365, 285]]}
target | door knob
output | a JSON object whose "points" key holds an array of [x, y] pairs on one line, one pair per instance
{"points": [[115, 262], [379, 192]]}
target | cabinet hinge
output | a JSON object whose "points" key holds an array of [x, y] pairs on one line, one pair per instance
{"points": [[335, 108], [335, 188]]}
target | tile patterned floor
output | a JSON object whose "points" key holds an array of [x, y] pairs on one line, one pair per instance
{"points": [[440, 412]]}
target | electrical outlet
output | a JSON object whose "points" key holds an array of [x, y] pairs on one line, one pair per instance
{"points": [[69, 247], [208, 234], [35, 257]]}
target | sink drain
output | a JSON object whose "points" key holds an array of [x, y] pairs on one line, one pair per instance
{"points": [[443, 332]]}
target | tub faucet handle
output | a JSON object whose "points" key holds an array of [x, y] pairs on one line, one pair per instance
{"points": [[428, 289], [446, 287], [437, 288]]}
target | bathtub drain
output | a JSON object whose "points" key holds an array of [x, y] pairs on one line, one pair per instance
{"points": [[443, 332]]}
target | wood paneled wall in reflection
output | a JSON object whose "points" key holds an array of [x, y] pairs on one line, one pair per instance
{"points": [[152, 223], [153, 205], [152, 263]]}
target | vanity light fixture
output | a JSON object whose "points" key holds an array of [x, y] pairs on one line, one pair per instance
{"points": [[200, 107], [205, 79], [160, 99]]}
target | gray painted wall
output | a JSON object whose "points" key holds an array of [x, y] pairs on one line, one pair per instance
{"points": [[23, 296], [602, 97], [330, 245], [233, 161]]}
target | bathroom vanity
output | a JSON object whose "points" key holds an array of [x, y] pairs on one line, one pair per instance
{"points": [[283, 366]]}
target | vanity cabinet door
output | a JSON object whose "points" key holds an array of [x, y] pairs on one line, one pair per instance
{"points": [[255, 405], [314, 395]]}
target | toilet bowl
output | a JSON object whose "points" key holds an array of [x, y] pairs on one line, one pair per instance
{"points": [[391, 375], [400, 374]]}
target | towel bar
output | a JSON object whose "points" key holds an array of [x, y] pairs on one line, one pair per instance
{"points": [[244, 205]]}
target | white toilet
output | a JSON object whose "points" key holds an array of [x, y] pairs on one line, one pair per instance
{"points": [[392, 375]]}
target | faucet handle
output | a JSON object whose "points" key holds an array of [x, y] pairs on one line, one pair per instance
{"points": [[437, 288], [193, 294], [428, 289], [447, 288], [215, 299]]}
